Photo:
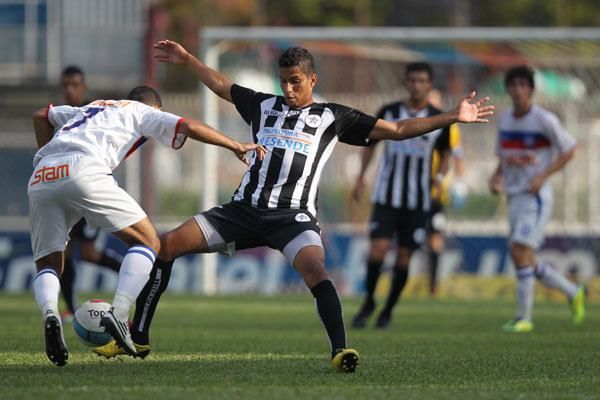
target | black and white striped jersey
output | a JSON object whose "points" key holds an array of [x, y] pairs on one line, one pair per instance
{"points": [[299, 141], [404, 174]]}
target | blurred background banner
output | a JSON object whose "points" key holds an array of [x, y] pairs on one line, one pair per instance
{"points": [[472, 267], [361, 67]]}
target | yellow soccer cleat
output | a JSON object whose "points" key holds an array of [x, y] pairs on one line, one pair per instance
{"points": [[518, 326], [112, 349], [345, 360], [577, 305]]}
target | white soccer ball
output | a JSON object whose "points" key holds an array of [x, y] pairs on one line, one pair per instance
{"points": [[87, 323]]}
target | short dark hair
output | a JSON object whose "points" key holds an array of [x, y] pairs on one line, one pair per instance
{"points": [[71, 70], [420, 67], [520, 71], [146, 95], [298, 57]]}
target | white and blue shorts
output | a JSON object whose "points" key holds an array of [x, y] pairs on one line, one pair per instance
{"points": [[65, 188], [528, 215]]}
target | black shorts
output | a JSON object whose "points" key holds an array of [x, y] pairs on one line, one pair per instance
{"points": [[84, 232], [437, 218], [248, 226], [407, 226]]}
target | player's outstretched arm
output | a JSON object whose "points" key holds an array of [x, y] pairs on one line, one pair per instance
{"points": [[198, 131], [44, 131], [172, 52], [468, 110]]}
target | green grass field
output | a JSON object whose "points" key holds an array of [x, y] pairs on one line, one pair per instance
{"points": [[274, 348]]}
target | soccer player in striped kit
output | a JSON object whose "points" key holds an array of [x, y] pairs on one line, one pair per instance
{"points": [[275, 204], [401, 197], [72, 179], [532, 145]]}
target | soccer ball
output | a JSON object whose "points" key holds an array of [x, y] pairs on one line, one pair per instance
{"points": [[87, 323]]}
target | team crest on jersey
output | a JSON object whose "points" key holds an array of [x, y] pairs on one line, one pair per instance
{"points": [[314, 121], [301, 217]]}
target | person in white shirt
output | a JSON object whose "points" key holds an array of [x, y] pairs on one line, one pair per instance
{"points": [[72, 179], [532, 145]]}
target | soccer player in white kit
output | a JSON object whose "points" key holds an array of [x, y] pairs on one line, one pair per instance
{"points": [[72, 179], [532, 145]]}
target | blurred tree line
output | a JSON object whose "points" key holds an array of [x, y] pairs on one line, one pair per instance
{"points": [[181, 19], [386, 12]]}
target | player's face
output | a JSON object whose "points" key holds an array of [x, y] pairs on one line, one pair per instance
{"points": [[73, 89], [520, 92], [297, 86], [418, 84]]}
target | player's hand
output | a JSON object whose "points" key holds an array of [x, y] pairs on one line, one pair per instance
{"points": [[170, 52], [471, 110], [495, 183], [536, 183], [243, 148], [358, 189]]}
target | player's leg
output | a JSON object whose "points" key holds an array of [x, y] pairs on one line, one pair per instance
{"points": [[381, 232], [397, 284], [411, 234], [185, 239], [379, 246], [46, 288], [88, 251], [309, 261], [523, 214], [435, 244], [135, 270], [199, 234], [547, 275], [49, 225], [67, 284], [523, 257]]}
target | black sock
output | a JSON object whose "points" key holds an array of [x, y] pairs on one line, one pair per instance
{"points": [[373, 272], [434, 258], [147, 301], [111, 260], [398, 282], [330, 311], [67, 285]]}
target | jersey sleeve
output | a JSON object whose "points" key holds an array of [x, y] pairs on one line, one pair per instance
{"points": [[353, 126], [59, 115], [247, 102], [562, 140], [163, 127]]}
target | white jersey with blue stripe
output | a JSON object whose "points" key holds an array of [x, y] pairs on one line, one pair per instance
{"points": [[108, 130], [528, 144]]}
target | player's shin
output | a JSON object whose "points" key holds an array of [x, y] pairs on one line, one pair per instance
{"points": [[67, 284], [148, 299], [552, 278], [525, 293], [373, 272], [133, 275], [46, 288], [399, 279], [111, 259], [330, 312]]}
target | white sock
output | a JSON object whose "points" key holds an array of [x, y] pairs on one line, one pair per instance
{"points": [[551, 278], [133, 275], [525, 292], [46, 287]]}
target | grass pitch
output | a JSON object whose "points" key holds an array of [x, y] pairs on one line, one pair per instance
{"points": [[275, 348]]}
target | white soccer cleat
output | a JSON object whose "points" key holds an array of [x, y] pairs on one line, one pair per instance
{"points": [[119, 330]]}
